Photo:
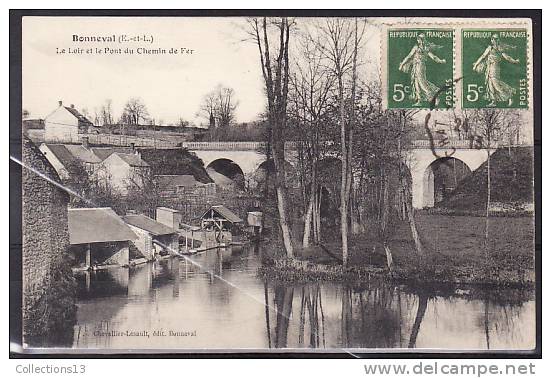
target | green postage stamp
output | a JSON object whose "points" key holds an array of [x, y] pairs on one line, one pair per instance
{"points": [[456, 64], [420, 68], [494, 68]]}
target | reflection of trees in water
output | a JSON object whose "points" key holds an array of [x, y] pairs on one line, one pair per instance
{"points": [[371, 317], [501, 322], [284, 306], [311, 325], [311, 314], [421, 309]]}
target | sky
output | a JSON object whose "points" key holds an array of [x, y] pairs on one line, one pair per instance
{"points": [[171, 86]]}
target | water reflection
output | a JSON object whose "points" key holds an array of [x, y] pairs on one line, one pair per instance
{"points": [[217, 301]]}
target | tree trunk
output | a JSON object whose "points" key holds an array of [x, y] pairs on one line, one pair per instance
{"points": [[308, 219], [308, 222], [278, 156], [344, 176], [411, 218], [488, 198]]}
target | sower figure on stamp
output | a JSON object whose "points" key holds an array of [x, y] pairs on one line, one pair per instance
{"points": [[415, 64], [488, 63]]}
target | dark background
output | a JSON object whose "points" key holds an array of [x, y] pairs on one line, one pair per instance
{"points": [[15, 168]]}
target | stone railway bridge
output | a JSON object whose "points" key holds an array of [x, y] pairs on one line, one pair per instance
{"points": [[421, 160]]}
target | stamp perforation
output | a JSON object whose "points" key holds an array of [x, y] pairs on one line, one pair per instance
{"points": [[457, 26]]}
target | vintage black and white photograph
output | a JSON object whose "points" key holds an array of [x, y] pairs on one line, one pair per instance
{"points": [[277, 183]]}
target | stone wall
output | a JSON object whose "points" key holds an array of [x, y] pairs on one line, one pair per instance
{"points": [[143, 243], [48, 286]]}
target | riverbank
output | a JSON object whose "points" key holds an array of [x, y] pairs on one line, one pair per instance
{"points": [[454, 253]]}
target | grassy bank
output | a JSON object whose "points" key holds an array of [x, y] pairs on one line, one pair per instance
{"points": [[454, 254]]}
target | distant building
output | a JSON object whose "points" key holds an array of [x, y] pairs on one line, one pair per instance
{"points": [[62, 156], [98, 236], [65, 124], [124, 170], [154, 238], [121, 167]]}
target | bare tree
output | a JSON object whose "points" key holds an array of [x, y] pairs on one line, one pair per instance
{"points": [[272, 37], [106, 114], [218, 107], [226, 106], [489, 126], [309, 101], [339, 40], [208, 109], [135, 111]]}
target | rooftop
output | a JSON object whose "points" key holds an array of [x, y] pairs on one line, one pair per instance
{"points": [[225, 213], [68, 153], [132, 159], [104, 152], [148, 224], [97, 225], [77, 115]]}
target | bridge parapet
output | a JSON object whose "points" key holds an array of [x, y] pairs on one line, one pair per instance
{"points": [[224, 146], [258, 146]]}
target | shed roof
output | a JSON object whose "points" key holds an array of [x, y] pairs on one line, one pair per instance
{"points": [[224, 212], [97, 225], [148, 224]]}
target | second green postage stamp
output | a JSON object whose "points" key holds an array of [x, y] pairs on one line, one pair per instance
{"points": [[494, 65], [420, 66]]}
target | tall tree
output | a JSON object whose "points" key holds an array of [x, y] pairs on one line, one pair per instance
{"points": [[106, 113], [339, 41], [272, 37], [135, 111], [218, 107], [488, 127], [310, 99]]}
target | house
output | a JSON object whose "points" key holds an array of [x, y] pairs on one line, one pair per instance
{"points": [[123, 170], [222, 221], [65, 124], [98, 236], [63, 156], [184, 184], [154, 238]]}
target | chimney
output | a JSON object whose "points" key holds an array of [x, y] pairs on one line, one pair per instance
{"points": [[72, 106], [85, 142], [60, 103]]}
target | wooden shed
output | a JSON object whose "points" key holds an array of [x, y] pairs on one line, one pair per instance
{"points": [[222, 221]]}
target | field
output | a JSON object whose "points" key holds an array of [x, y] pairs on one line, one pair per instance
{"points": [[454, 250]]}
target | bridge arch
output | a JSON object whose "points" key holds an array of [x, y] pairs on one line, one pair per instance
{"points": [[266, 168], [441, 177], [226, 172]]}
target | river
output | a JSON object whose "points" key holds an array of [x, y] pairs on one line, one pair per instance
{"points": [[217, 301]]}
